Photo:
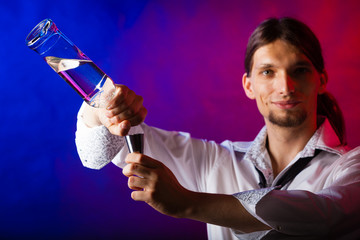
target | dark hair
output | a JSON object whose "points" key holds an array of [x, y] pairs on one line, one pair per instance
{"points": [[299, 35]]}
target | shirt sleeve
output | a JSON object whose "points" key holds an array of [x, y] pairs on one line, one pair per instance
{"points": [[96, 146], [333, 210], [191, 160]]}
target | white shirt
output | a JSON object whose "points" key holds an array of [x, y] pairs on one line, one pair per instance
{"points": [[322, 198]]}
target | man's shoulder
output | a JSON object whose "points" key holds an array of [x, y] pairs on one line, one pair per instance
{"points": [[239, 146]]}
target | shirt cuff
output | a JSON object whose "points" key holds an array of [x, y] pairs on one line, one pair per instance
{"points": [[96, 146], [249, 200]]}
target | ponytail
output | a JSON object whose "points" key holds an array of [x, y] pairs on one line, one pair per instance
{"points": [[328, 107]]}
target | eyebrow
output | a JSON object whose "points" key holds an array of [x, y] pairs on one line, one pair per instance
{"points": [[264, 65], [269, 65], [304, 63]]}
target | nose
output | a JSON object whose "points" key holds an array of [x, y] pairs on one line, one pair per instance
{"points": [[285, 84]]}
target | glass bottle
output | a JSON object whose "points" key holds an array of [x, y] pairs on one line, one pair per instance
{"points": [[87, 79]]}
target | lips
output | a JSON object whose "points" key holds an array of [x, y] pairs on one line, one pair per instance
{"points": [[286, 104]]}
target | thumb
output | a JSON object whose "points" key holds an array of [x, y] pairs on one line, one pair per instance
{"points": [[121, 129], [125, 127]]}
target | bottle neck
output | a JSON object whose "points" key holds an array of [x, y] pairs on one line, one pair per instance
{"points": [[43, 36]]}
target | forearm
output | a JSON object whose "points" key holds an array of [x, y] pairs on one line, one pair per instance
{"points": [[96, 145], [318, 214], [223, 210]]}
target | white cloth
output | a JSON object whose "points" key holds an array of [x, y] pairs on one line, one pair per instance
{"points": [[318, 203]]}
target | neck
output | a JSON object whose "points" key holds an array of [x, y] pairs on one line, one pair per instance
{"points": [[284, 143]]}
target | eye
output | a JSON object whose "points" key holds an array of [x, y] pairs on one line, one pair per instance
{"points": [[302, 70], [267, 72]]}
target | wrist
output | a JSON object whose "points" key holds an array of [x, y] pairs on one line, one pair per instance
{"points": [[192, 205], [90, 116]]}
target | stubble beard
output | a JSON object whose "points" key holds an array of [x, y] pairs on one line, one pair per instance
{"points": [[291, 119]]}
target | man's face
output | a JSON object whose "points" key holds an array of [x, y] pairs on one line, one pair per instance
{"points": [[285, 85]]}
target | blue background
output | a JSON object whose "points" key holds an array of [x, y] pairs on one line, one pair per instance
{"points": [[184, 57]]}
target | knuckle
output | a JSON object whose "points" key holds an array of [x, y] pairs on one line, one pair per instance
{"points": [[115, 119], [130, 92], [154, 179], [122, 88], [139, 117], [121, 92], [128, 113], [140, 99], [131, 181], [133, 167], [129, 170], [139, 158], [143, 112]]}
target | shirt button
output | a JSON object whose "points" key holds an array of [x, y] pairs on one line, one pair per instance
{"points": [[278, 228]]}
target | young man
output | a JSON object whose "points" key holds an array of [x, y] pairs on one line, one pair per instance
{"points": [[295, 178]]}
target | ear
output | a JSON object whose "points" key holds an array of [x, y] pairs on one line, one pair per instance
{"points": [[247, 85], [323, 82]]}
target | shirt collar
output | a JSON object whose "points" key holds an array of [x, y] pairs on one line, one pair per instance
{"points": [[324, 139]]}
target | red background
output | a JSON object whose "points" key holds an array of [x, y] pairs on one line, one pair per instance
{"points": [[184, 57]]}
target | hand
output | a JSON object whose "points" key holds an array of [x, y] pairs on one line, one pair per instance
{"points": [[156, 185], [123, 111]]}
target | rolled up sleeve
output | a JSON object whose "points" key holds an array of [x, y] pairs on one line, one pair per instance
{"points": [[333, 210], [96, 146]]}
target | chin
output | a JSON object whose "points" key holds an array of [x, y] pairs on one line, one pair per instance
{"points": [[290, 120]]}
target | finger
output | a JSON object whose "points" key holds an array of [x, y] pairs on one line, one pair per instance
{"points": [[126, 110], [139, 117], [123, 104], [120, 95], [140, 196], [125, 127], [120, 129], [124, 115], [141, 159], [137, 183], [132, 169], [127, 122]]}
